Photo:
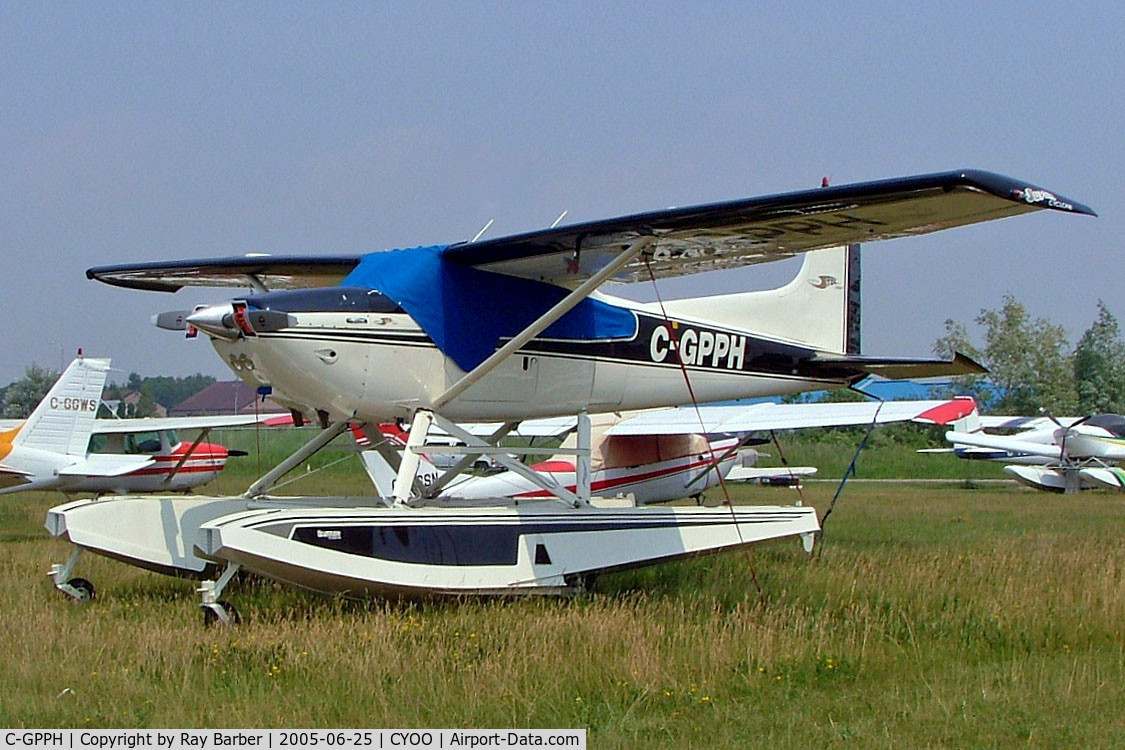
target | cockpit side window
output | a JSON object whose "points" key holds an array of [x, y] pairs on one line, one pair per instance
{"points": [[142, 442]]}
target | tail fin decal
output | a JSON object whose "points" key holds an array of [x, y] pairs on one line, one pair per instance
{"points": [[64, 419]]}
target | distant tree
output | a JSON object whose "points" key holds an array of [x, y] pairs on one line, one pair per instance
{"points": [[956, 341], [21, 396], [1099, 366], [168, 391], [1028, 360]]}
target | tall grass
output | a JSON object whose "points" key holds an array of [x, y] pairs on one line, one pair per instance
{"points": [[928, 617]]}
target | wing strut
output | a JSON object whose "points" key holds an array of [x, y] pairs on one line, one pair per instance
{"points": [[323, 438], [180, 464], [544, 321]]}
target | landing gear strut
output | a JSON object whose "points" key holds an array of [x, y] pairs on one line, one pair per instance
{"points": [[78, 589], [216, 610]]}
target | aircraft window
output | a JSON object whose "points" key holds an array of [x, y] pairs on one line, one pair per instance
{"points": [[142, 442], [97, 444], [326, 299], [1114, 423]]}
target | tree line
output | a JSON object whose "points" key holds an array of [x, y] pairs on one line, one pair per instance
{"points": [[1032, 365], [19, 398]]}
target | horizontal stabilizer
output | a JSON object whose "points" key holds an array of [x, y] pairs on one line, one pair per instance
{"points": [[10, 477], [896, 368], [764, 474]]}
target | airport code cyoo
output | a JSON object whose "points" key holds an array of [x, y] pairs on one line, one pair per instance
{"points": [[357, 739]]}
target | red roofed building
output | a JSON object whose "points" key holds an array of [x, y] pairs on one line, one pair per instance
{"points": [[228, 397]]}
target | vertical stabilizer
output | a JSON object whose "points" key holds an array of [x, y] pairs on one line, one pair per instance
{"points": [[64, 419], [819, 308]]}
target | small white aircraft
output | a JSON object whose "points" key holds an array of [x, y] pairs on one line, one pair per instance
{"points": [[63, 446], [1056, 455], [511, 329]]}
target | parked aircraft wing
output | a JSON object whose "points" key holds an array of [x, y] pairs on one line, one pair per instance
{"points": [[687, 240], [1004, 443], [769, 416], [756, 230], [154, 424], [106, 465], [272, 271]]}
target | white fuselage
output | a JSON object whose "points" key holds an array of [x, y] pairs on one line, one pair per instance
{"points": [[380, 366]]}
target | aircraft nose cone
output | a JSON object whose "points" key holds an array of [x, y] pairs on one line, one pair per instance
{"points": [[216, 320]]}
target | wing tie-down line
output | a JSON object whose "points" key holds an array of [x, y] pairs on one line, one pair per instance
{"points": [[674, 341]]}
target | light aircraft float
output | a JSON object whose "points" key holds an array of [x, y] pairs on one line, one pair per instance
{"points": [[516, 328], [63, 446], [1056, 455]]}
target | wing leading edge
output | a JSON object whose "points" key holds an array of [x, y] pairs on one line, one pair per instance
{"points": [[688, 240]]}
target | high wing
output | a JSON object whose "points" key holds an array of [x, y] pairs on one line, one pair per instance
{"points": [[106, 465], [712, 420], [155, 424], [686, 240], [1004, 443]]}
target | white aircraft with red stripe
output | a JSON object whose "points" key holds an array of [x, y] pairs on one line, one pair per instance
{"points": [[62, 445], [666, 454]]}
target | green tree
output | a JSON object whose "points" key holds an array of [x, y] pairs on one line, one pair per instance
{"points": [[1028, 360], [169, 391], [21, 396], [957, 341], [1099, 366]]}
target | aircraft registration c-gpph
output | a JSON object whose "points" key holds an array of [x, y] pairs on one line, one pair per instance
{"points": [[515, 328]]}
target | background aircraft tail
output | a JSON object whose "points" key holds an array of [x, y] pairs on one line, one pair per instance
{"points": [[64, 419], [820, 307], [380, 458]]}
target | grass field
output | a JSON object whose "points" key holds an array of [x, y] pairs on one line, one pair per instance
{"points": [[929, 617]]}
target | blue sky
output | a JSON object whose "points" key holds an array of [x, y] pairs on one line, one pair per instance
{"points": [[155, 131]]}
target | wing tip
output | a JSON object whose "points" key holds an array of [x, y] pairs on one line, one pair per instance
{"points": [[1022, 192]]}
